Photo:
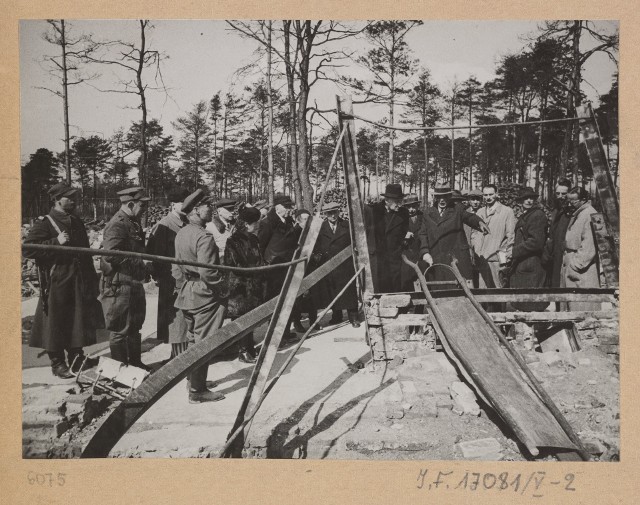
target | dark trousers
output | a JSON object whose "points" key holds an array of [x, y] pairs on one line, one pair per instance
{"points": [[202, 323]]}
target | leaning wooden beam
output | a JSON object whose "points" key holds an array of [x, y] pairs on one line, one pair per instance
{"points": [[154, 387], [277, 327], [354, 198]]}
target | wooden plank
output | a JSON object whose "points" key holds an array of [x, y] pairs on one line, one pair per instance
{"points": [[355, 207], [399, 320], [591, 146], [277, 327], [533, 317], [498, 371], [152, 389], [607, 253]]}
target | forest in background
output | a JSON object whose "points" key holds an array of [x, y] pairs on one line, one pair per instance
{"points": [[268, 135]]}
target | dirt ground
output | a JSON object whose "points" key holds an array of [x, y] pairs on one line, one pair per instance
{"points": [[336, 404]]}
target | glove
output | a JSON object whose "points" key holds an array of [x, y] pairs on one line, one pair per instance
{"points": [[63, 238], [427, 258]]}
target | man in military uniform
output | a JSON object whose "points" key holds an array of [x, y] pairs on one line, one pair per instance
{"points": [[68, 312], [123, 298], [202, 292], [171, 324]]}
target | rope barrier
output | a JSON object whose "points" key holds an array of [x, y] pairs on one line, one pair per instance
{"points": [[153, 257], [464, 127]]}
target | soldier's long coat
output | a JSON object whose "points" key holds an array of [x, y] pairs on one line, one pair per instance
{"points": [[328, 245], [72, 313], [171, 324]]}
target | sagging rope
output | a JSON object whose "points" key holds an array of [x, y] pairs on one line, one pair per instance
{"points": [[464, 127], [153, 257]]}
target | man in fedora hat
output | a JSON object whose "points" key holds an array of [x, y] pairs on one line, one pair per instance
{"points": [[442, 234], [554, 248], [171, 325], [530, 235], [333, 237], [278, 241], [201, 291], [411, 242], [493, 250], [391, 225], [123, 297], [68, 312]]}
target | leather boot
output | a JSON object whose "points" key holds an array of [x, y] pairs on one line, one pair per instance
{"points": [[134, 349], [58, 366], [119, 352], [247, 352]]}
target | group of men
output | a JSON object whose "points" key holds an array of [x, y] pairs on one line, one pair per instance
{"points": [[491, 246], [192, 301], [493, 249]]}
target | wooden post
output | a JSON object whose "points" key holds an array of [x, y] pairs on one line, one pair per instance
{"points": [[354, 198], [591, 146]]}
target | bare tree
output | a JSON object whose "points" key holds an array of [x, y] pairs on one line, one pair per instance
{"points": [[68, 67], [133, 59], [311, 52]]}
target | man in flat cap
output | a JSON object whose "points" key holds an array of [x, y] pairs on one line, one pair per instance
{"points": [[278, 242], [201, 291], [161, 242], [123, 297], [68, 312], [334, 236], [391, 224]]}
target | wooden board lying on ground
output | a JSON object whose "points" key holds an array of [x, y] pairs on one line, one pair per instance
{"points": [[160, 382], [496, 374]]}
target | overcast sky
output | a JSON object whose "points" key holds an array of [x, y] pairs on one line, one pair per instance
{"points": [[203, 56]]}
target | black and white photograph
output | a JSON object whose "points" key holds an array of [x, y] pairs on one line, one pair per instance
{"points": [[323, 240]]}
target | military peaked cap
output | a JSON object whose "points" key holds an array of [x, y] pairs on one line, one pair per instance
{"points": [[225, 203], [60, 190], [195, 199], [135, 194]]}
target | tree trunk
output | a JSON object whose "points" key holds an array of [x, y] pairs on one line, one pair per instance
{"points": [[65, 101], [224, 148], [292, 115], [452, 176], [470, 143], [426, 170], [142, 169], [270, 189]]}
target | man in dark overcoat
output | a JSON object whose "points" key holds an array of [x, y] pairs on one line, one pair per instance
{"points": [[391, 224], [412, 241], [68, 312], [554, 247], [161, 242], [526, 260], [278, 242], [334, 236], [442, 235], [122, 293]]}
